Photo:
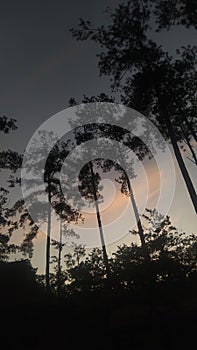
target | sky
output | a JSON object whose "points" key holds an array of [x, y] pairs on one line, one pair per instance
{"points": [[42, 66]]}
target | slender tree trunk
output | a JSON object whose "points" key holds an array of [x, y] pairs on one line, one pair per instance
{"points": [[48, 242], [190, 127], [189, 145], [77, 257], [138, 221], [59, 259], [134, 205], [105, 257], [192, 151], [181, 163], [163, 113], [136, 213]]}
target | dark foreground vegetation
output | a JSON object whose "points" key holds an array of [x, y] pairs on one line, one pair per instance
{"points": [[161, 317], [146, 301]]}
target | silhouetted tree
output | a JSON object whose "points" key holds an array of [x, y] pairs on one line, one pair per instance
{"points": [[56, 199], [61, 276], [169, 252], [180, 12], [13, 216], [7, 124], [172, 260], [87, 275], [89, 181], [118, 134], [41, 204], [149, 79]]}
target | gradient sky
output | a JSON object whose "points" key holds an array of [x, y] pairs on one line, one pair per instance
{"points": [[42, 66]]}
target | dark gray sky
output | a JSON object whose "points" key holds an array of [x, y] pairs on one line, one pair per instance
{"points": [[42, 66]]}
